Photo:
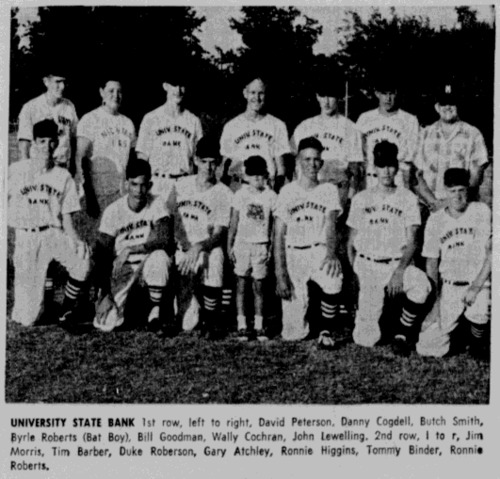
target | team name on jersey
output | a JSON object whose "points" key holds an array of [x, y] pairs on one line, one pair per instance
{"points": [[307, 205], [456, 231], [50, 190], [385, 207], [387, 128], [194, 204], [174, 129], [253, 134], [134, 226], [111, 131], [329, 136]]}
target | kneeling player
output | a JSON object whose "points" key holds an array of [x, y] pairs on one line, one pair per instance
{"points": [[132, 249], [305, 247], [203, 207], [42, 200], [383, 222], [457, 245], [249, 241]]}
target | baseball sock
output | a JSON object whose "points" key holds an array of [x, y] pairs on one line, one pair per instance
{"points": [[409, 319], [155, 294], [49, 290], [227, 295], [211, 301], [329, 310], [72, 292], [242, 321], [477, 333], [258, 322]]}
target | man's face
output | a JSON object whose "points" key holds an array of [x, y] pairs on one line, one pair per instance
{"points": [[447, 113], [175, 93], [55, 86], [257, 181], [310, 162], [386, 175], [457, 196], [207, 167], [386, 100], [44, 148], [138, 189], [112, 95], [327, 104], [255, 95]]}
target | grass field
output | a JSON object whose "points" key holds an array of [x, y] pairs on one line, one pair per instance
{"points": [[44, 364]]}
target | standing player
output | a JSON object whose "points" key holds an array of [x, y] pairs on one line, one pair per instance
{"points": [[254, 132], [305, 246], [131, 249], [203, 206], [342, 153], [448, 143], [51, 105], [42, 200], [105, 138], [457, 245], [168, 136], [383, 223], [388, 122], [249, 241]]}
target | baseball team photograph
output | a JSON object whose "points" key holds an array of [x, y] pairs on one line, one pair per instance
{"points": [[299, 213]]}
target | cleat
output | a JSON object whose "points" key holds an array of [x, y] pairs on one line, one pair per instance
{"points": [[68, 322], [261, 335], [242, 335], [326, 341], [153, 324], [401, 347]]}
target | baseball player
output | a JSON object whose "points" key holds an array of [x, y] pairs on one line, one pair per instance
{"points": [[42, 200], [105, 138], [132, 249], [203, 214], [168, 136], [342, 153], [305, 246], [51, 105], [383, 223], [249, 241], [448, 143], [457, 245], [254, 132], [388, 122]]}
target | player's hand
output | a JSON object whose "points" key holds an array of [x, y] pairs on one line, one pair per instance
{"points": [[120, 260], [471, 295], [188, 264], [331, 266], [284, 286], [395, 285]]}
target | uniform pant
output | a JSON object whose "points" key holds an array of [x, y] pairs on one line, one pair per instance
{"points": [[208, 272], [33, 253], [434, 340], [373, 278], [303, 266]]}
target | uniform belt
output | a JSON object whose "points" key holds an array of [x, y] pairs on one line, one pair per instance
{"points": [[168, 175], [37, 229], [306, 247], [379, 260], [456, 283]]}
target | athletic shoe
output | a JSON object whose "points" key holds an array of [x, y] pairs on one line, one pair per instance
{"points": [[326, 341], [68, 322], [261, 335], [154, 319], [400, 346]]}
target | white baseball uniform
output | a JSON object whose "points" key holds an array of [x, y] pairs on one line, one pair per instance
{"points": [[251, 245], [380, 221], [168, 143], [340, 139], [63, 113], [112, 137], [461, 245], [266, 137], [400, 128], [305, 214], [37, 200], [463, 148], [198, 212]]}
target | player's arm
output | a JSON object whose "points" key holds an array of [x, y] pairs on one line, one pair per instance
{"points": [[79, 245], [432, 269], [226, 164], [103, 260], [355, 170], [279, 180], [476, 286], [284, 286], [231, 235], [395, 285], [331, 262]]}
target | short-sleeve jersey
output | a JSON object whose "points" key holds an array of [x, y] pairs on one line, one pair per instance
{"points": [[305, 212], [38, 197], [266, 137], [130, 228], [200, 211], [169, 142], [63, 113], [381, 220], [338, 135], [459, 243], [254, 212], [464, 148], [112, 137]]}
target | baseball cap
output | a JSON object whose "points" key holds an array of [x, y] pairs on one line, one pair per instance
{"points": [[46, 129], [310, 142], [447, 96], [385, 82], [255, 165], [208, 147], [175, 77], [456, 177], [385, 153], [329, 86]]}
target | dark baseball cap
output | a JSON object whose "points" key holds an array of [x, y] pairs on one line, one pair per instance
{"points": [[386, 82], [176, 77], [456, 177], [255, 165], [46, 129], [447, 95], [310, 142], [329, 86], [208, 147], [385, 154]]}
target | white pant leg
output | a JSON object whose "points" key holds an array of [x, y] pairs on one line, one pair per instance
{"points": [[62, 249], [156, 268], [330, 284], [213, 273]]}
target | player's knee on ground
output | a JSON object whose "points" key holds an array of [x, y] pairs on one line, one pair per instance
{"points": [[433, 341], [156, 268], [417, 286]]}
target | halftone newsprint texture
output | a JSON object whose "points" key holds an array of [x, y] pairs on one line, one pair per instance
{"points": [[311, 339]]}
